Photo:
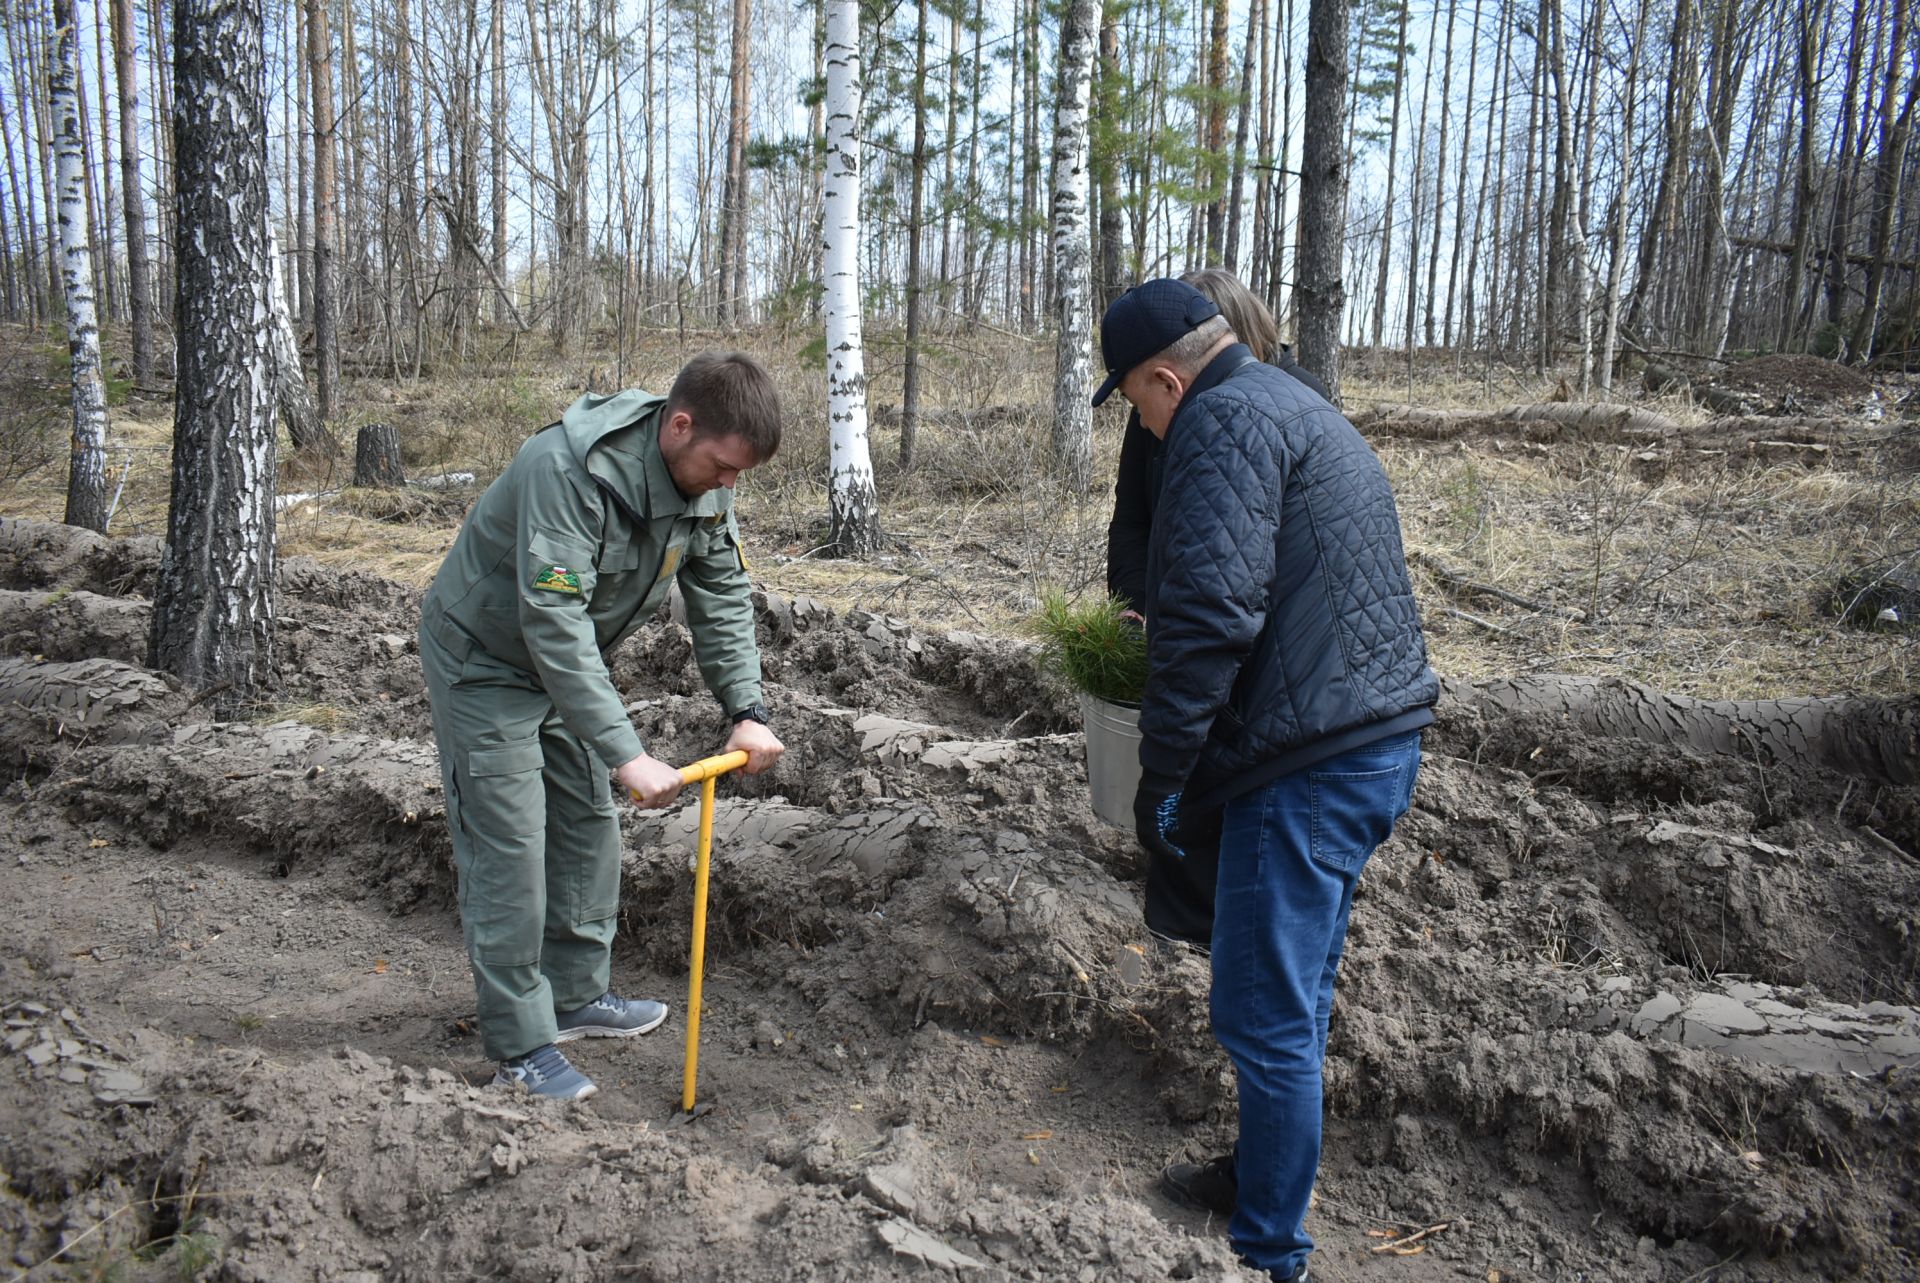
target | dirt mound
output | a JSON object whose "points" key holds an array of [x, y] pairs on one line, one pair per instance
{"points": [[1798, 374], [1787, 383], [1613, 1006]]}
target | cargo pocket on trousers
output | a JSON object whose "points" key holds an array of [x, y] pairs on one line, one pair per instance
{"points": [[503, 815], [504, 797], [1353, 812]]}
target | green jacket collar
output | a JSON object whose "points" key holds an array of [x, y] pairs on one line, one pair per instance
{"points": [[617, 440]]}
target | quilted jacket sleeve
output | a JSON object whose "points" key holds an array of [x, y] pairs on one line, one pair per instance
{"points": [[1213, 548]]}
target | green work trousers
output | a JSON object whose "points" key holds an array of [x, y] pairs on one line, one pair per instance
{"points": [[536, 844]]}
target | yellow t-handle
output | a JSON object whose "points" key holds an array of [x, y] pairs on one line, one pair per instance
{"points": [[703, 773]]}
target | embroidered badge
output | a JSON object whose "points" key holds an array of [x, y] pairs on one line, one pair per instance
{"points": [[557, 579]]}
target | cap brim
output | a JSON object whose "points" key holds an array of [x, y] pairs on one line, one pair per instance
{"points": [[1106, 389]]}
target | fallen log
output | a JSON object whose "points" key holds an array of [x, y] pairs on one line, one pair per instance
{"points": [[1875, 739], [1625, 420]]}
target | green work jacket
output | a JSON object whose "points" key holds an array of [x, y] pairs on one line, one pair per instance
{"points": [[574, 547]]}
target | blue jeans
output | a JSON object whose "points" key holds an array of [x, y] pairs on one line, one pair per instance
{"points": [[1290, 855]]}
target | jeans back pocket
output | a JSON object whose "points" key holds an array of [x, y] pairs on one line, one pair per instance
{"points": [[1353, 812]]}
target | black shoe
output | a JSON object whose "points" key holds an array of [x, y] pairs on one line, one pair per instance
{"points": [[1212, 1186], [1299, 1274]]}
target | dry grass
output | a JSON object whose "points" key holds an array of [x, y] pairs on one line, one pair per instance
{"points": [[1712, 579]]}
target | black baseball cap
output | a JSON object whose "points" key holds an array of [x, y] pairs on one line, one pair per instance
{"points": [[1148, 318]]}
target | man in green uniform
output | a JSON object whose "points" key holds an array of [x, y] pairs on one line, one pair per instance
{"points": [[564, 556]]}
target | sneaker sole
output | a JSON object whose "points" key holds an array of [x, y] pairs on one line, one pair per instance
{"points": [[602, 1031], [591, 1090]]}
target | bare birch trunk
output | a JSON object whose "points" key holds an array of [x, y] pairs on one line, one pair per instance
{"points": [[854, 509], [304, 426], [1073, 253], [213, 623], [87, 462]]}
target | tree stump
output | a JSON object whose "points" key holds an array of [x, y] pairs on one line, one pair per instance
{"points": [[376, 457]]}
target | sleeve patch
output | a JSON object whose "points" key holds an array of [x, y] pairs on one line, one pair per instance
{"points": [[557, 579]]}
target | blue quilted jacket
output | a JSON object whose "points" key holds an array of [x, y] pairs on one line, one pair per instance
{"points": [[1281, 626]]}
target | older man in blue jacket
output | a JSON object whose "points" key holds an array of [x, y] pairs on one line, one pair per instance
{"points": [[1287, 687]]}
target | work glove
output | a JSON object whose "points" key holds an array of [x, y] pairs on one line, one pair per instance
{"points": [[1155, 818]]}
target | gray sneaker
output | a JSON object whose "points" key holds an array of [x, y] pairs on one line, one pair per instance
{"points": [[545, 1072], [610, 1017]]}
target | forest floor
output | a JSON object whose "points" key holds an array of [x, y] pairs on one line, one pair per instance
{"points": [[1613, 1008]]}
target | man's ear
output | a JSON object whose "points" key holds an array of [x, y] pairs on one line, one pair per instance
{"points": [[677, 427], [1170, 379]]}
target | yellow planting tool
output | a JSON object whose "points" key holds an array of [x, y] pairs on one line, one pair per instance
{"points": [[703, 773]]}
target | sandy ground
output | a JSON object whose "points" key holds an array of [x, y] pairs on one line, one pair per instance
{"points": [[1611, 1009]]}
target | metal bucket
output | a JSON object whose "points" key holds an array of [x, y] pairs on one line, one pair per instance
{"points": [[1113, 758]]}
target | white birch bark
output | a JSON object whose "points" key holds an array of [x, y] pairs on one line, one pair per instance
{"points": [[87, 466], [213, 622], [1073, 253], [297, 409], [853, 505]]}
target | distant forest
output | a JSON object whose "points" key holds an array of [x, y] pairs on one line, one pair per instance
{"points": [[1540, 180]]}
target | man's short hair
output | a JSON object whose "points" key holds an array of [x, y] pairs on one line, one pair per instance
{"points": [[1185, 353], [729, 394]]}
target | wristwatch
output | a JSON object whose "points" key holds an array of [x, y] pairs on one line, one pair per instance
{"points": [[753, 713]]}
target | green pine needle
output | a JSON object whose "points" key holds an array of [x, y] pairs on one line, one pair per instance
{"points": [[1090, 647]]}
